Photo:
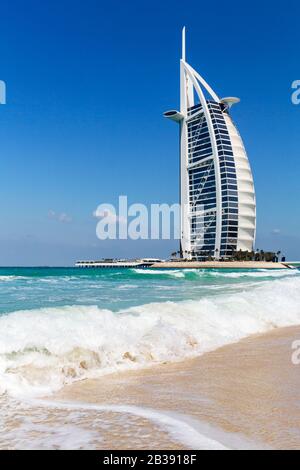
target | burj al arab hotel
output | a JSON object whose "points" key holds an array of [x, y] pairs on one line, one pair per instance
{"points": [[218, 206]]}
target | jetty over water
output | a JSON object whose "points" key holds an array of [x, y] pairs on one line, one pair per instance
{"points": [[118, 263]]}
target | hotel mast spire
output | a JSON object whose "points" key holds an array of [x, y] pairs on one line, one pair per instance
{"points": [[183, 44]]}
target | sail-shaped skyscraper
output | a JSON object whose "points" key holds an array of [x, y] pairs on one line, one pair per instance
{"points": [[218, 206]]}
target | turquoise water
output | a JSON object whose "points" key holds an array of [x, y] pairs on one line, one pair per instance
{"points": [[117, 289], [60, 325]]}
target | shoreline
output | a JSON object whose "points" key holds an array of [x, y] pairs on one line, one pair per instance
{"points": [[144, 264], [221, 265], [243, 395]]}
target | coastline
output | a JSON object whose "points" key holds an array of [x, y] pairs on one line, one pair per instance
{"points": [[243, 395], [146, 264], [220, 265]]}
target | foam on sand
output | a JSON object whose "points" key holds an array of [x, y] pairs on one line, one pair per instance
{"points": [[176, 427]]}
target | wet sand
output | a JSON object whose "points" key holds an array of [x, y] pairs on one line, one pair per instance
{"points": [[245, 395]]}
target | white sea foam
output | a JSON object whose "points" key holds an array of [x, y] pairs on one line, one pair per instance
{"points": [[167, 272], [45, 424], [127, 286], [41, 350], [30, 435], [9, 278], [175, 426], [184, 273], [280, 273]]}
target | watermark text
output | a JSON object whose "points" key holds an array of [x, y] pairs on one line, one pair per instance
{"points": [[296, 92], [138, 221], [2, 92], [296, 353]]}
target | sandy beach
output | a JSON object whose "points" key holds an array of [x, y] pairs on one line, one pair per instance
{"points": [[220, 265], [244, 395]]}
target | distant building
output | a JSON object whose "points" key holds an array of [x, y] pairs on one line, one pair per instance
{"points": [[218, 206]]}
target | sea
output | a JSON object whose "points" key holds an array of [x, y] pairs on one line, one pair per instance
{"points": [[59, 326]]}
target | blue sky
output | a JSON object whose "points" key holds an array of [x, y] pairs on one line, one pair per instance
{"points": [[87, 83]]}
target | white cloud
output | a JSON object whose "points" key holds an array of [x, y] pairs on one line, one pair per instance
{"points": [[60, 217], [65, 218], [276, 231]]}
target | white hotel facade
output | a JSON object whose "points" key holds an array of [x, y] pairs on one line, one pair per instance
{"points": [[218, 205]]}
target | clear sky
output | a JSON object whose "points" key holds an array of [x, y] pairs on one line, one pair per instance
{"points": [[87, 83]]}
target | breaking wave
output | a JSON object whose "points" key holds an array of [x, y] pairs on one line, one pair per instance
{"points": [[262, 273], [162, 272], [42, 350], [10, 278], [192, 274]]}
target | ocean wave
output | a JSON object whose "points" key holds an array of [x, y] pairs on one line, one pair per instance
{"points": [[161, 272], [194, 274], [42, 350], [13, 278], [7, 278]]}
